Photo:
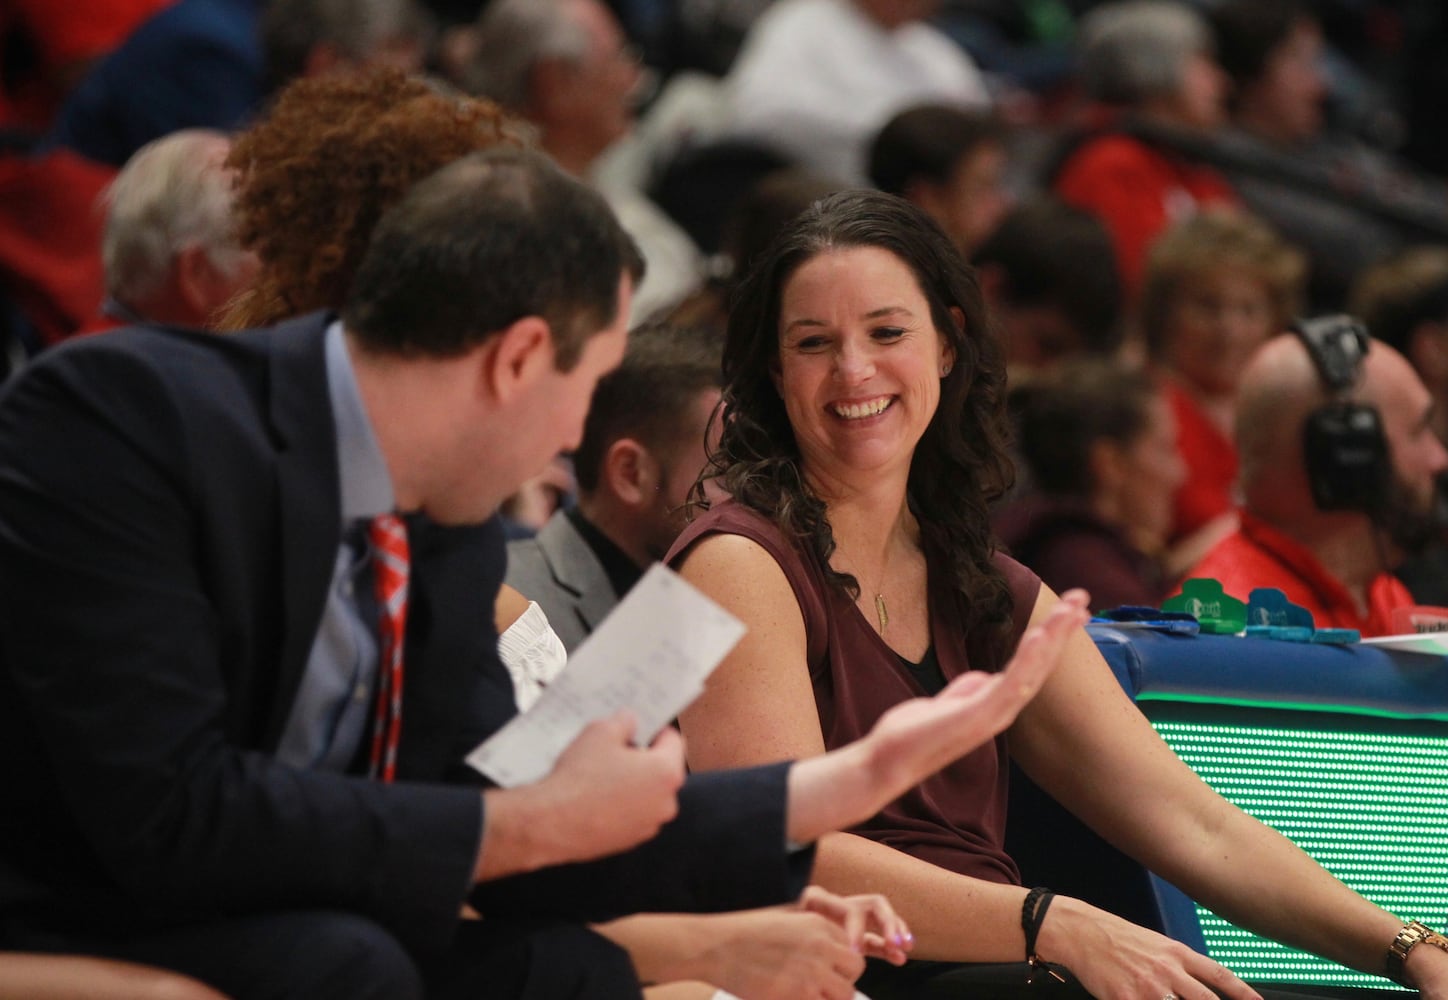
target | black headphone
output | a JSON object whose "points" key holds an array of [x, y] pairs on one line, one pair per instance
{"points": [[1346, 452]]}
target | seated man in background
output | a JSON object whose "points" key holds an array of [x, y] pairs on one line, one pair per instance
{"points": [[192, 699], [949, 161], [194, 64], [1050, 280], [1338, 468], [642, 449], [566, 67], [169, 247]]}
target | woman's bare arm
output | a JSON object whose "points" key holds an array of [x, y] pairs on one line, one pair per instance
{"points": [[759, 706], [1085, 742]]}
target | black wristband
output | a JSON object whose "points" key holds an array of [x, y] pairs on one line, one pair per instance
{"points": [[1033, 914]]}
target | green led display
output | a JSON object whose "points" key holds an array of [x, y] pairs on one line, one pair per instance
{"points": [[1370, 806]]}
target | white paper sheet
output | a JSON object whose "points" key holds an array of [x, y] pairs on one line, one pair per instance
{"points": [[651, 655]]}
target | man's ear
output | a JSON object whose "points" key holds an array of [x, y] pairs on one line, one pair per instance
{"points": [[517, 357], [629, 472]]}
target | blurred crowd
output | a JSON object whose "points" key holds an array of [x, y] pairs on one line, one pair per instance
{"points": [[1150, 190], [1155, 288]]}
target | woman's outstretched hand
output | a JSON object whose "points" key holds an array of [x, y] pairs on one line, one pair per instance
{"points": [[916, 738]]}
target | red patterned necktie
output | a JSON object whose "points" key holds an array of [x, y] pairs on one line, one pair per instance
{"points": [[390, 561]]}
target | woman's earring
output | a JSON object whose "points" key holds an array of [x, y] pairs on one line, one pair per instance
{"points": [[944, 370]]}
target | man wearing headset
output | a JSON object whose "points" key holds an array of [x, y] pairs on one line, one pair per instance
{"points": [[1339, 476]]}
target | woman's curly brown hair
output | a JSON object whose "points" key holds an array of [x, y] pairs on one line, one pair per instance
{"points": [[317, 173], [959, 465]]}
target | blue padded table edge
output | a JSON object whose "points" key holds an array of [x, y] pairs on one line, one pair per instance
{"points": [[1233, 670]]}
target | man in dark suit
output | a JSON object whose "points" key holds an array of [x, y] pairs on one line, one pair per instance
{"points": [[189, 698]]}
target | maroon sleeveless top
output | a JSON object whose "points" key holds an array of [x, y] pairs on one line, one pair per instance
{"points": [[955, 819]]}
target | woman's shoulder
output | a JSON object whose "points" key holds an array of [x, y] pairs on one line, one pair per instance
{"points": [[739, 541], [1025, 587], [726, 517], [736, 534]]}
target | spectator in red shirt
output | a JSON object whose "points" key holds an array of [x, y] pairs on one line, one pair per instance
{"points": [[1149, 66], [1334, 562], [1217, 286]]}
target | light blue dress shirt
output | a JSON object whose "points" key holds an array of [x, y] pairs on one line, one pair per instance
{"points": [[335, 701]]}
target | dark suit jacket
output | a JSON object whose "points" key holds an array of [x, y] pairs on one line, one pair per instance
{"points": [[168, 527]]}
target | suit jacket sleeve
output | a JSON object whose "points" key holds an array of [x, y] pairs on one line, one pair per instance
{"points": [[116, 663], [724, 851]]}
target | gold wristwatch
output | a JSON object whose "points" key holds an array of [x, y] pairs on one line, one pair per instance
{"points": [[1413, 934]]}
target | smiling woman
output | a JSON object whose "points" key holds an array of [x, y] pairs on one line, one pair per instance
{"points": [[861, 445], [859, 371], [870, 309]]}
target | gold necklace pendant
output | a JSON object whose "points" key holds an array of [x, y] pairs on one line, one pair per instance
{"points": [[880, 612]]}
